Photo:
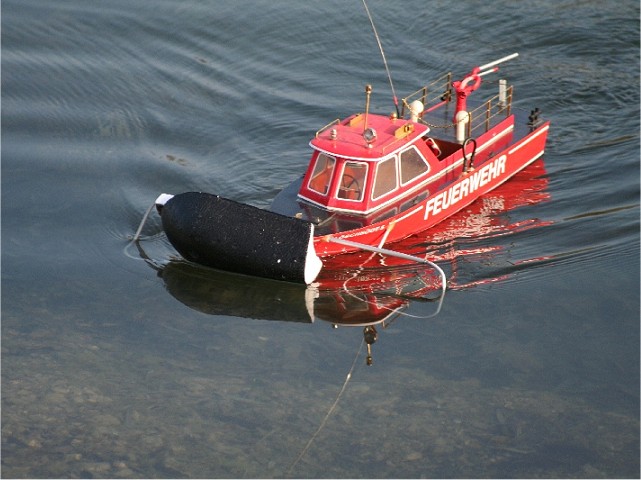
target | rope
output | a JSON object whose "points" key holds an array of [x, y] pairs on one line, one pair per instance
{"points": [[329, 412], [135, 240], [382, 251], [142, 222]]}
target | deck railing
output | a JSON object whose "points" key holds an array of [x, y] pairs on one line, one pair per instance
{"points": [[440, 93], [434, 95], [494, 107], [330, 124]]}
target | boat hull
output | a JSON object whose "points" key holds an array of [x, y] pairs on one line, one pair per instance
{"points": [[446, 201]]}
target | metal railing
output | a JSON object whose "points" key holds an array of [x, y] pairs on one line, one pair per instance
{"points": [[434, 95], [440, 92], [491, 109], [330, 124]]}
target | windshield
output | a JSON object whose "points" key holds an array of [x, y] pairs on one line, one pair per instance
{"points": [[322, 175], [352, 184]]}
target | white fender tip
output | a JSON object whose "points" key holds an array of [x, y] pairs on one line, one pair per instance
{"points": [[163, 198], [313, 264]]}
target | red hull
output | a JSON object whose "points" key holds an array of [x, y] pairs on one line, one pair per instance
{"points": [[446, 201], [486, 218]]}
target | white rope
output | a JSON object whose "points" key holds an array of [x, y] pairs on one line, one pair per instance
{"points": [[142, 223], [393, 253], [384, 251], [136, 237]]}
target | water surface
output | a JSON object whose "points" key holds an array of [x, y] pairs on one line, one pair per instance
{"points": [[113, 366]]}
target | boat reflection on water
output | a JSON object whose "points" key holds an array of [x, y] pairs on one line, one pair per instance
{"points": [[369, 298], [367, 290], [216, 292], [374, 297]]}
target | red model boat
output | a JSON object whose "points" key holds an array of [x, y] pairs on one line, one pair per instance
{"points": [[372, 180]]}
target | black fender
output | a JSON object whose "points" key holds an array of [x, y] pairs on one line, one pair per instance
{"points": [[220, 233]]}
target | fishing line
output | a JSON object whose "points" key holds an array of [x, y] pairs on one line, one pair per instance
{"points": [[380, 47], [329, 412]]}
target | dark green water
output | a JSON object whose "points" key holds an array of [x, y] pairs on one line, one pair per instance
{"points": [[112, 368]]}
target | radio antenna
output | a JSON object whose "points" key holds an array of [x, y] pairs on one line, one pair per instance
{"points": [[380, 47]]}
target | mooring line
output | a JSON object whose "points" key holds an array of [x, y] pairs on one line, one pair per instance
{"points": [[135, 241], [329, 412], [142, 222]]}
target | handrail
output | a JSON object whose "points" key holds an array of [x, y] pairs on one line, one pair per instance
{"points": [[490, 109], [322, 129], [443, 93], [442, 88], [439, 93]]}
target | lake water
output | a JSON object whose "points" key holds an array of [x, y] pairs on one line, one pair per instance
{"points": [[120, 363]]}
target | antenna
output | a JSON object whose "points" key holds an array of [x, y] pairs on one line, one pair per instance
{"points": [[380, 47]]}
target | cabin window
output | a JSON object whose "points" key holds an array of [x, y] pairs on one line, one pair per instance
{"points": [[386, 179], [352, 181], [412, 165], [322, 174]]}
